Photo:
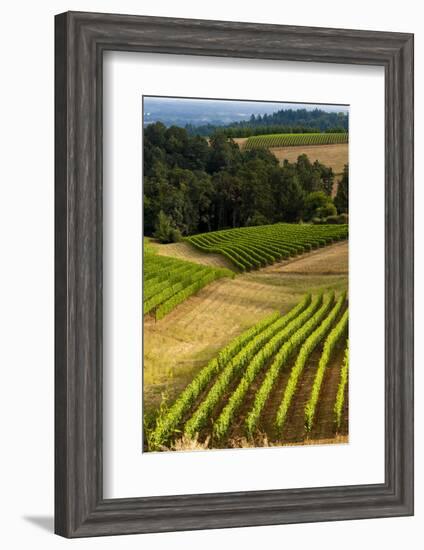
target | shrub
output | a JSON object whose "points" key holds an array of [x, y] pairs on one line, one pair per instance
{"points": [[165, 231], [319, 205], [332, 219], [326, 211], [175, 235]]}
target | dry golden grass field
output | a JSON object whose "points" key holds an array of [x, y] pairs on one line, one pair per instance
{"points": [[180, 344]]}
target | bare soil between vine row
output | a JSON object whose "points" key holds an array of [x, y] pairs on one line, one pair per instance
{"points": [[180, 344]]}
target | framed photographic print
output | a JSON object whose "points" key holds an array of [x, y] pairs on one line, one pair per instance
{"points": [[234, 274], [231, 207]]}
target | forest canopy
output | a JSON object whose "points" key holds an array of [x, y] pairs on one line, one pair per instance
{"points": [[192, 185]]}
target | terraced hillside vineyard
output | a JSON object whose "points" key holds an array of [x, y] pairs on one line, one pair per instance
{"points": [[245, 274], [249, 389], [254, 247], [168, 281], [267, 141]]}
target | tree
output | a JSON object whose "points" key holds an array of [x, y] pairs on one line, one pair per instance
{"points": [[197, 153], [227, 199], [149, 215], [264, 155], [165, 232], [224, 155], [314, 177], [256, 196], [341, 200], [154, 134], [193, 185], [326, 176], [256, 219], [287, 194], [200, 195], [191, 199], [318, 205]]}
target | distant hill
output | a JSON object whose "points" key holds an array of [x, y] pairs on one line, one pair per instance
{"points": [[199, 112], [282, 121], [242, 118]]}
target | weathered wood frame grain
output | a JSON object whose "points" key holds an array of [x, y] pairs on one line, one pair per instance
{"points": [[80, 40]]}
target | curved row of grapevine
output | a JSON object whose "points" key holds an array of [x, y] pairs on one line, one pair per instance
{"points": [[288, 140], [156, 270], [161, 296], [305, 327], [305, 351], [298, 316], [170, 281], [167, 424], [254, 247], [329, 345], [230, 371], [159, 282], [340, 398], [273, 340]]}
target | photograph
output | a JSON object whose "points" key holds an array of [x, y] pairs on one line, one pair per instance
{"points": [[245, 273]]}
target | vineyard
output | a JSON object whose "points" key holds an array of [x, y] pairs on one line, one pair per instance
{"points": [[251, 388], [169, 281], [290, 140], [254, 247], [245, 276]]}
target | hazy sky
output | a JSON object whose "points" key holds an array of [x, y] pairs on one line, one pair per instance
{"points": [[240, 107]]}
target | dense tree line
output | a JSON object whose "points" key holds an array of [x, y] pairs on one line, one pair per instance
{"points": [[192, 185], [285, 121]]}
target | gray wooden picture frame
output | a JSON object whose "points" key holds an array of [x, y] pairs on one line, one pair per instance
{"points": [[80, 40]]}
